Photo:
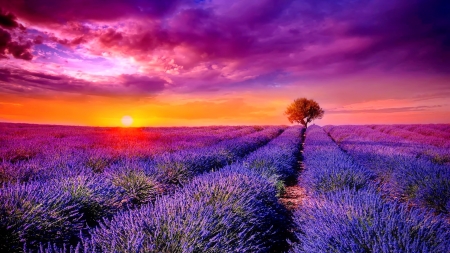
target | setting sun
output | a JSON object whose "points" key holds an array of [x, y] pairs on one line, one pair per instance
{"points": [[127, 121]]}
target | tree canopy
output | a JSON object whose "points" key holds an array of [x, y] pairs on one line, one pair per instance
{"points": [[303, 111]]}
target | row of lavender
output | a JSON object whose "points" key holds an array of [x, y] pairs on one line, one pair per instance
{"points": [[402, 169], [345, 212], [427, 142], [21, 142], [30, 152], [441, 131], [57, 209], [234, 209]]}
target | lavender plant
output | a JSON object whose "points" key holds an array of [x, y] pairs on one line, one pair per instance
{"points": [[232, 210], [400, 171], [180, 167], [360, 221], [130, 182], [34, 152], [95, 196], [327, 168], [278, 159], [349, 218], [424, 183], [426, 130], [138, 188], [434, 148], [33, 212]]}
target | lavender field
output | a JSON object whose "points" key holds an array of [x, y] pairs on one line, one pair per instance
{"points": [[372, 188]]}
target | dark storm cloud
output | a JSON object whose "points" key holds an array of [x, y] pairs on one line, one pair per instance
{"points": [[18, 50], [9, 45], [8, 20]]}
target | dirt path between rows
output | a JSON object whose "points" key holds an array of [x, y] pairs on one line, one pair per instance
{"points": [[294, 195]]}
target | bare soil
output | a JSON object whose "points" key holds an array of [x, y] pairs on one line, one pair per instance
{"points": [[294, 193], [293, 197]]}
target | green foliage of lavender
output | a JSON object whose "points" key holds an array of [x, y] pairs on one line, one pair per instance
{"points": [[232, 210], [348, 214], [401, 167], [278, 160], [220, 194], [329, 169], [126, 183], [96, 196], [361, 221], [179, 167], [34, 213]]}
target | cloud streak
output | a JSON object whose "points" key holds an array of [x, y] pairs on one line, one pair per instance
{"points": [[8, 44], [27, 83], [386, 110]]}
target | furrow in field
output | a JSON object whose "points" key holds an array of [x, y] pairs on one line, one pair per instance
{"points": [[434, 144], [38, 156], [344, 212], [92, 196], [234, 209], [441, 127], [401, 174], [426, 130]]}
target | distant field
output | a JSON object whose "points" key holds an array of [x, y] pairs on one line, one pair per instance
{"points": [[374, 188]]}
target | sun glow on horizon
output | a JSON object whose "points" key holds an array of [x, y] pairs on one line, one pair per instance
{"points": [[127, 121]]}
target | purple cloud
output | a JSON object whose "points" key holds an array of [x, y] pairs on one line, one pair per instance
{"points": [[8, 20], [143, 83], [246, 41], [28, 83], [54, 11], [8, 46]]}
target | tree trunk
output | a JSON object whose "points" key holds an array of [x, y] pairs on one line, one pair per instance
{"points": [[304, 123]]}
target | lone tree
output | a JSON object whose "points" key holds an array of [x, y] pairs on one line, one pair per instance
{"points": [[303, 111]]}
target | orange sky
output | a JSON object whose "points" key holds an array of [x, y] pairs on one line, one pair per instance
{"points": [[343, 102]]}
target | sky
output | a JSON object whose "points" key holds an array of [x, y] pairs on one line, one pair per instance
{"points": [[223, 62]]}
